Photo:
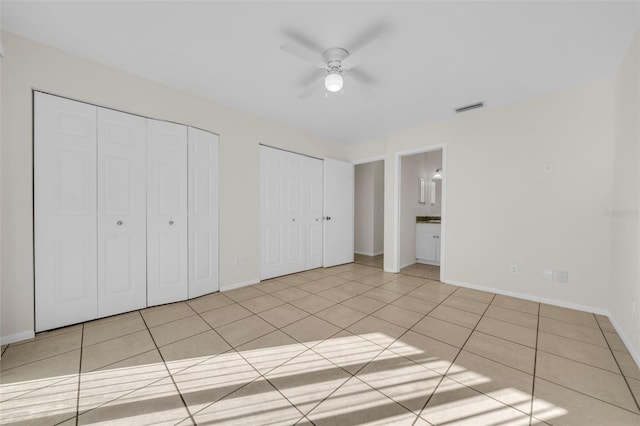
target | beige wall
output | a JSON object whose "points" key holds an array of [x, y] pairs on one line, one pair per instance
{"points": [[410, 170], [625, 282], [29, 65], [527, 184], [363, 209], [369, 208]]}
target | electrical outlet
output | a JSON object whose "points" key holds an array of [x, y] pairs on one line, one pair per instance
{"points": [[547, 274], [240, 261], [513, 269], [563, 276]]}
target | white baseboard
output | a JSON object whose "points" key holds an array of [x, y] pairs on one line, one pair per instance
{"points": [[12, 338], [525, 296], [585, 308], [369, 254], [634, 353], [428, 262], [238, 285], [407, 264]]}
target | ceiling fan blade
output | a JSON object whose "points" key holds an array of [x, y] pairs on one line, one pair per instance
{"points": [[367, 92], [311, 88], [361, 55], [304, 54]]}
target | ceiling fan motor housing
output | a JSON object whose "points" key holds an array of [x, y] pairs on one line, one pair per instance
{"points": [[334, 57]]}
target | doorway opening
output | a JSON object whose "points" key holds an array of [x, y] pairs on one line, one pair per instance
{"points": [[420, 213], [369, 213]]}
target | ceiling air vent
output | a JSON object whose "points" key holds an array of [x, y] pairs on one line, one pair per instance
{"points": [[469, 107]]}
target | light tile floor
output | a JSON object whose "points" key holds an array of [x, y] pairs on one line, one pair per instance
{"points": [[340, 346]]}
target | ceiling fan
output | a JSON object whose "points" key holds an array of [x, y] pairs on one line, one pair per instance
{"points": [[336, 63]]}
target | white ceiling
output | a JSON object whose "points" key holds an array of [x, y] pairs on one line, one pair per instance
{"points": [[440, 55]]}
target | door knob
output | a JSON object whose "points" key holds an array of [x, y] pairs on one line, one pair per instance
{"points": [[327, 218], [119, 222], [170, 222]]}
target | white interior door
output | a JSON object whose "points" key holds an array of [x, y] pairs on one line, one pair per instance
{"points": [[338, 211], [64, 211], [122, 215], [281, 211], [312, 193], [203, 212], [167, 278]]}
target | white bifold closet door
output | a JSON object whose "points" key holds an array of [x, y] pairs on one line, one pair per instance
{"points": [[203, 212], [312, 193], [291, 212], [122, 215], [167, 276], [65, 229]]}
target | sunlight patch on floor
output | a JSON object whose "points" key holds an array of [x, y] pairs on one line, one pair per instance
{"points": [[227, 388]]}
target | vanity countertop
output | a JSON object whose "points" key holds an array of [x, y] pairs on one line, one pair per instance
{"points": [[428, 219]]}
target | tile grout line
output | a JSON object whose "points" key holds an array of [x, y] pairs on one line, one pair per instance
{"points": [[626, 381], [260, 375], [535, 364], [550, 381], [481, 356], [585, 363], [383, 348], [452, 364], [167, 368], [334, 303], [581, 392], [394, 341], [39, 360], [131, 391], [341, 329], [79, 376], [590, 396]]}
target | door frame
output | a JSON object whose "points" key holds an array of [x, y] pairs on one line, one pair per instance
{"points": [[398, 202]]}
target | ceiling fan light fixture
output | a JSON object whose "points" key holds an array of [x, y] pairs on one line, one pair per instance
{"points": [[333, 81]]}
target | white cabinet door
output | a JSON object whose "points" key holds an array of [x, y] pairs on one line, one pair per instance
{"points": [[339, 210], [203, 212], [166, 213], [312, 193], [65, 211], [282, 239], [428, 243], [122, 217]]}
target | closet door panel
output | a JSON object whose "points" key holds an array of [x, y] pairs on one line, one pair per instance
{"points": [[281, 205], [167, 275], [203, 212], [294, 213], [313, 212], [272, 201], [64, 211], [122, 193]]}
